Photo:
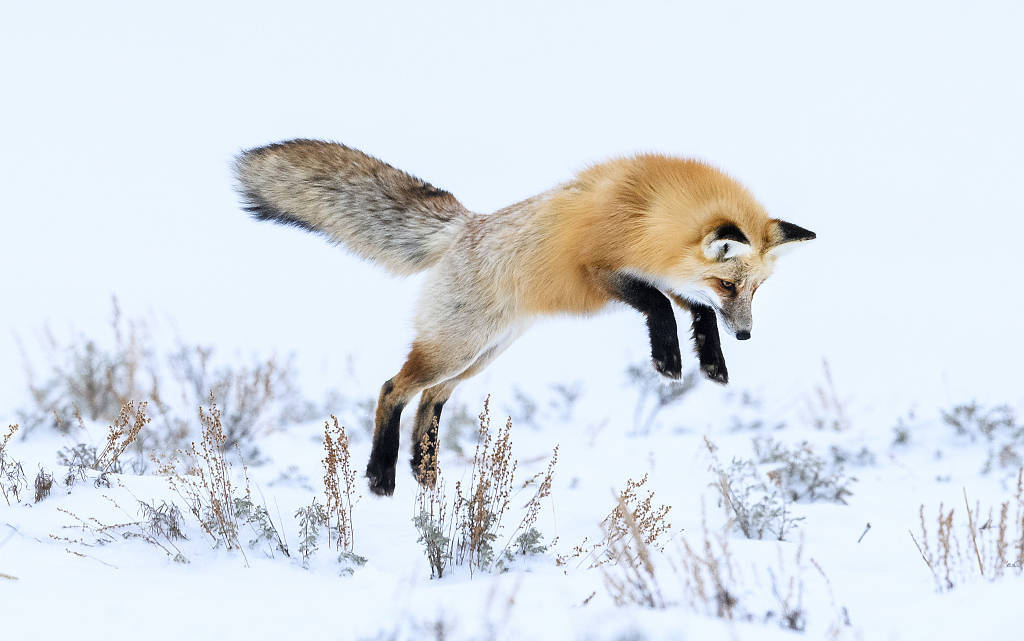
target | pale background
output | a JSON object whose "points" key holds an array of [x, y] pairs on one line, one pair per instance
{"points": [[893, 130]]}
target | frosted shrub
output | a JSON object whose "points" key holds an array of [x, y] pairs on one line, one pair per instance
{"points": [[801, 474], [754, 506], [996, 426]]}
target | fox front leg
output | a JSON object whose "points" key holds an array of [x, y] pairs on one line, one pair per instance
{"points": [[661, 322], [706, 342]]}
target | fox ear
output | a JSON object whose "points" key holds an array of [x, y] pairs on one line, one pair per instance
{"points": [[785, 234], [725, 242]]}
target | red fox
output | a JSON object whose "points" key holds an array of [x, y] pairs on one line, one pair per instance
{"points": [[641, 230]]}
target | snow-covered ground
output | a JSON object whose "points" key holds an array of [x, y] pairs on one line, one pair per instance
{"points": [[880, 584], [890, 129]]}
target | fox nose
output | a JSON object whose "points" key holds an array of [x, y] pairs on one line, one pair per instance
{"points": [[743, 335]]}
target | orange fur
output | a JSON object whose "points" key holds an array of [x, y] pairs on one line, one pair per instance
{"points": [[647, 212]]}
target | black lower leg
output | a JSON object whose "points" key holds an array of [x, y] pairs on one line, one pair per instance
{"points": [[707, 343], [424, 450], [661, 322], [380, 470]]}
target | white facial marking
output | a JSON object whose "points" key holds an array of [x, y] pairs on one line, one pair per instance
{"points": [[724, 249]]}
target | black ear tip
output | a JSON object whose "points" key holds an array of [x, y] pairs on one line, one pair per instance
{"points": [[791, 232]]}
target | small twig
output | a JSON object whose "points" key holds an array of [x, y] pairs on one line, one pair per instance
{"points": [[974, 533], [868, 527]]}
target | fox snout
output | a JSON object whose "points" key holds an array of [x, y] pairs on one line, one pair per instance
{"points": [[742, 335]]}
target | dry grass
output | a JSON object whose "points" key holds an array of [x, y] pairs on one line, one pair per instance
{"points": [[465, 531], [481, 509], [704, 578], [340, 488], [525, 539], [43, 484], [987, 550], [12, 475], [203, 477], [630, 576], [90, 379], [159, 525], [647, 518], [825, 409], [432, 518]]}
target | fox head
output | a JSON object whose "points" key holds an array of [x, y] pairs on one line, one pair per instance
{"points": [[704, 237], [733, 265]]}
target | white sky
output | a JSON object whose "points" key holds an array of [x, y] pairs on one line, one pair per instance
{"points": [[892, 130]]}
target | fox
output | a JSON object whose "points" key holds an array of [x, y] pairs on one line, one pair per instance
{"points": [[644, 230]]}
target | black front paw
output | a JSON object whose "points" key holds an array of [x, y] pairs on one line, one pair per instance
{"points": [[712, 363], [668, 361], [381, 478]]}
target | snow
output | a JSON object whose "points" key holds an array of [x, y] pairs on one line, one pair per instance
{"points": [[891, 130]]}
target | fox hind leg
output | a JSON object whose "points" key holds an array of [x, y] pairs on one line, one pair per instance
{"points": [[426, 365], [424, 437], [430, 363]]}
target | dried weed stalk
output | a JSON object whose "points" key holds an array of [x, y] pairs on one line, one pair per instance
{"points": [[159, 525], [650, 518], [526, 538], [94, 378], [12, 475], [206, 485], [629, 574], [465, 531], [704, 578], [43, 484], [339, 484], [825, 409], [987, 550], [431, 517], [480, 510]]}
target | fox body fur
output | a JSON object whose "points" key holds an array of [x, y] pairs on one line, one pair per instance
{"points": [[640, 230]]}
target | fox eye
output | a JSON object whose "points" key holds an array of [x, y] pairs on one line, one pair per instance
{"points": [[728, 285]]}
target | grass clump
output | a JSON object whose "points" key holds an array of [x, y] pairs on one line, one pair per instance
{"points": [[203, 477], [13, 482], [465, 532], [996, 426], [43, 484], [630, 511], [158, 525], [979, 544], [803, 475], [705, 578], [656, 394], [431, 516], [91, 379], [121, 434], [334, 517], [482, 507], [755, 505], [825, 408]]}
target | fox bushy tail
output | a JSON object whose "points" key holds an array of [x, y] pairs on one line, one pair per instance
{"points": [[376, 211]]}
